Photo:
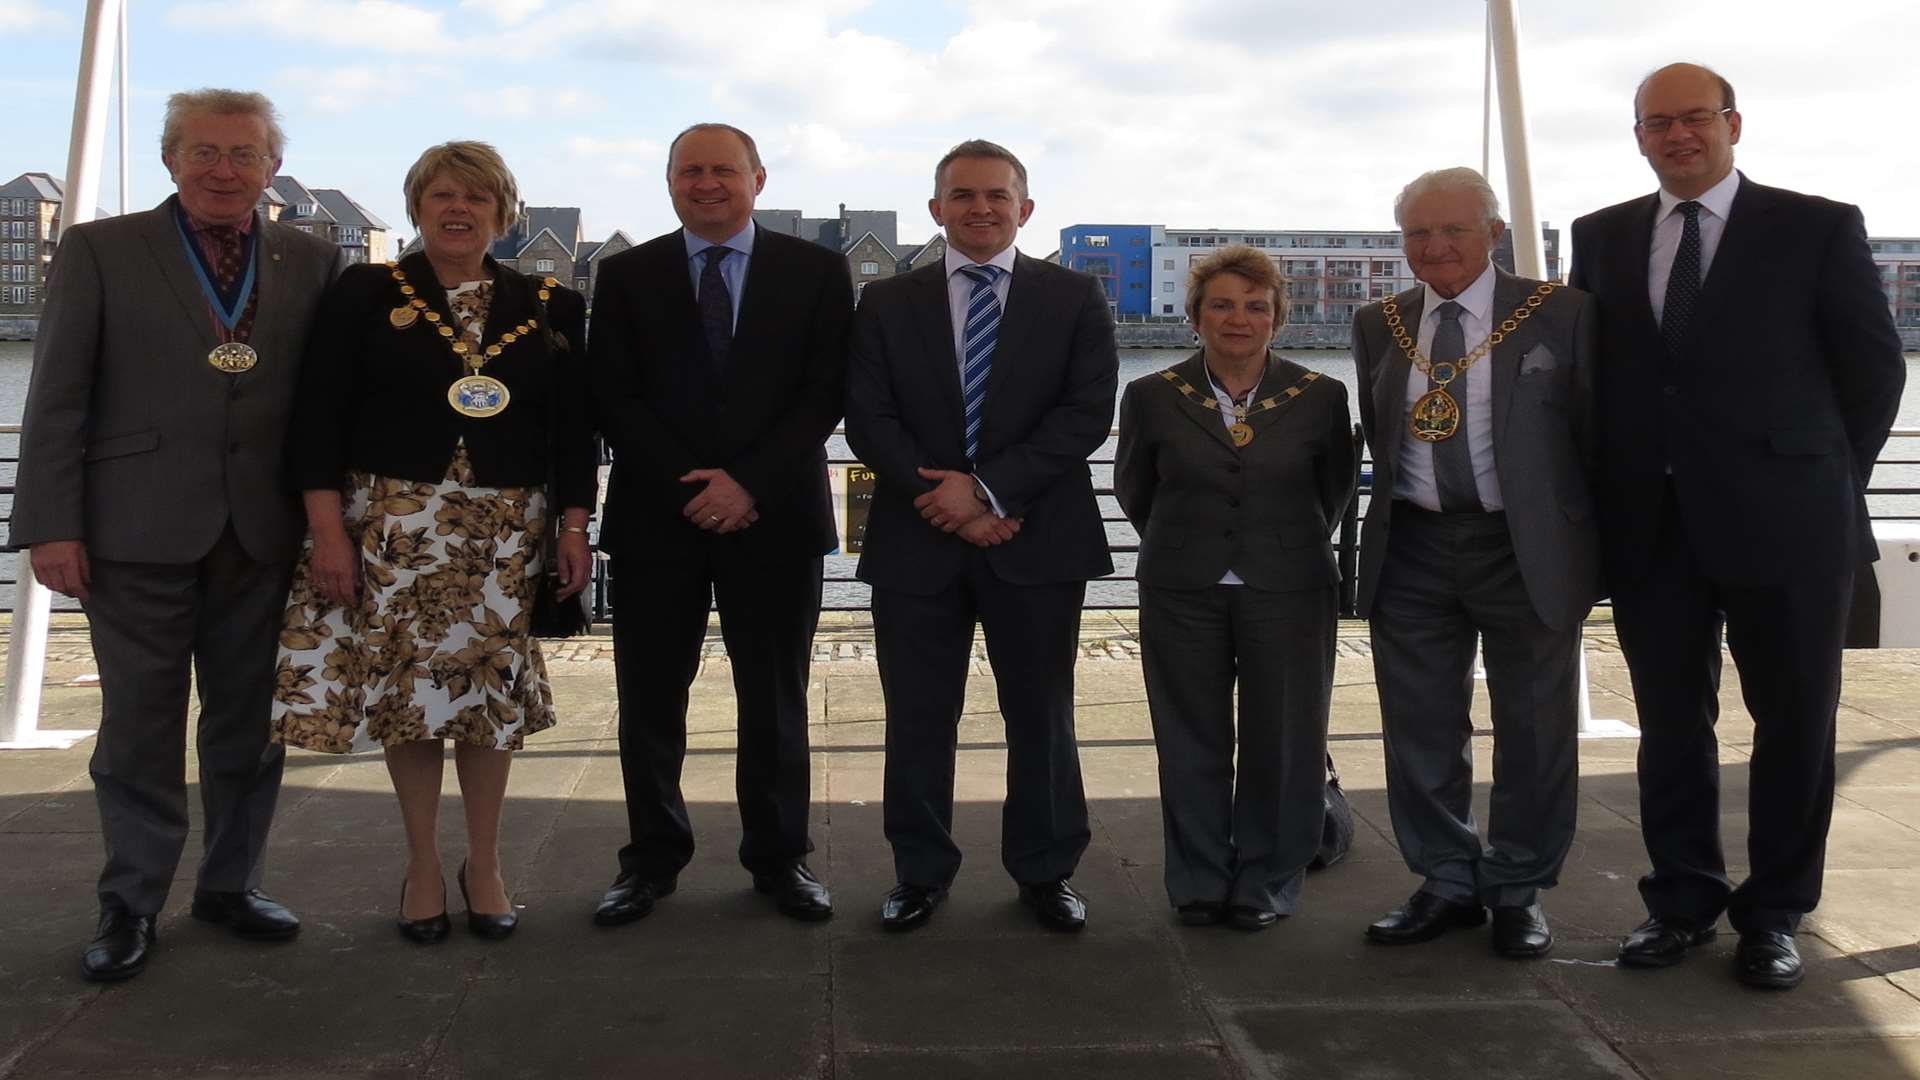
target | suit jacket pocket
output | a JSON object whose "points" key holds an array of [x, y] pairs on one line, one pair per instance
{"points": [[113, 446], [1805, 441]]}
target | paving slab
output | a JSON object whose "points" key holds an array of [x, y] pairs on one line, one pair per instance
{"points": [[1854, 1059], [1080, 1063]]}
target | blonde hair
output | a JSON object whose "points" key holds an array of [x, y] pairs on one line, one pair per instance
{"points": [[1242, 261], [475, 165]]}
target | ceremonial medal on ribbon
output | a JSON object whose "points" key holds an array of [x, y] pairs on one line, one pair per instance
{"points": [[230, 356], [478, 395]]}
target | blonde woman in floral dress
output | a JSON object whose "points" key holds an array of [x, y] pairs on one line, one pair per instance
{"points": [[442, 418]]}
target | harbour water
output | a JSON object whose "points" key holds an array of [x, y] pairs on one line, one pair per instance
{"points": [[16, 362]]}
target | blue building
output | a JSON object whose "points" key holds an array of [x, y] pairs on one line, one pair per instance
{"points": [[1121, 256]]}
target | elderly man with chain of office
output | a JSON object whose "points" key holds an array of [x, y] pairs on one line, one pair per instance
{"points": [[1474, 393], [151, 489]]}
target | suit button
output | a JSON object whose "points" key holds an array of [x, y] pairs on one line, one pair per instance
{"points": [[233, 448], [1228, 534], [1233, 468], [1234, 503], [1669, 390]]}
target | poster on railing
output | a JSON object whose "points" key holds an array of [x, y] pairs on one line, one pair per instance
{"points": [[852, 487]]}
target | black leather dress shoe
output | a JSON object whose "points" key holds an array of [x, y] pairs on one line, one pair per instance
{"points": [[1422, 918], [796, 892], [1659, 943], [630, 897], [1202, 913], [1248, 917], [909, 907], [486, 924], [1056, 904], [250, 914], [120, 946], [428, 931], [1768, 959], [1521, 932]]}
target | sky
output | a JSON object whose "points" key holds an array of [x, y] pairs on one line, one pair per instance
{"points": [[1256, 114]]}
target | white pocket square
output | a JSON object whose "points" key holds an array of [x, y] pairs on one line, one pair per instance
{"points": [[1538, 358]]}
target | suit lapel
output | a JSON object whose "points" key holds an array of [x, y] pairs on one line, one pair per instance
{"points": [[1631, 274], [1025, 300], [1390, 393], [1509, 292], [934, 314], [1742, 243], [758, 318], [1194, 370], [510, 303], [162, 232]]}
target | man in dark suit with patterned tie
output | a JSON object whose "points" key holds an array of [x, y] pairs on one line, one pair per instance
{"points": [[977, 388], [1751, 371], [719, 357]]}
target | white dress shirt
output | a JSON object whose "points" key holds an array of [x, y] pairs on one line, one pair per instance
{"points": [[733, 265], [1668, 224], [959, 296], [1414, 480]]}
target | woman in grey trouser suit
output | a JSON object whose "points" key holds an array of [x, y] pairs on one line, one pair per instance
{"points": [[1235, 466]]}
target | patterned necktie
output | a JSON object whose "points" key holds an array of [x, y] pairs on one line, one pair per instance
{"points": [[1683, 284], [1452, 459], [716, 306], [227, 268], [976, 346]]}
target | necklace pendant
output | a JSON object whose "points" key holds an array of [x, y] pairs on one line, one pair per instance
{"points": [[1241, 433], [1436, 416], [478, 395], [402, 317], [1443, 372], [233, 357]]}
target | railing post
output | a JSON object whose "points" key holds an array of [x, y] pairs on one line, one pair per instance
{"points": [[32, 603], [1350, 538]]}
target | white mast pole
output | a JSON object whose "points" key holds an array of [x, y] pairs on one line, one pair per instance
{"points": [[125, 92], [1529, 257], [1486, 99], [27, 647]]}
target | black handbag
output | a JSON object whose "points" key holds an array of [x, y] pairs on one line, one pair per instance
{"points": [[1336, 833], [551, 616]]}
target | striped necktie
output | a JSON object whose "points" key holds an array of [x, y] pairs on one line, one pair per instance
{"points": [[976, 347]]}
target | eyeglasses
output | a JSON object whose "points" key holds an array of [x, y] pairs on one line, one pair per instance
{"points": [[206, 157], [1699, 118]]}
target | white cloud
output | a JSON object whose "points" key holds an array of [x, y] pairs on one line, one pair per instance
{"points": [[510, 12], [362, 24], [337, 89], [23, 16]]}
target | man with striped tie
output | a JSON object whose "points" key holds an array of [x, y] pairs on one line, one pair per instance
{"points": [[977, 388]]}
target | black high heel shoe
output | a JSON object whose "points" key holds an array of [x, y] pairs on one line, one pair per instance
{"points": [[481, 924], [428, 931]]}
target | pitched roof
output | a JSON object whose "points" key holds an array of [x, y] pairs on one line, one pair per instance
{"points": [[341, 207], [871, 235], [562, 221], [295, 193], [34, 185]]}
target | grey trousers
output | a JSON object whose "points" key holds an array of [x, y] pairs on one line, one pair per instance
{"points": [[150, 623], [1447, 579], [1239, 831]]}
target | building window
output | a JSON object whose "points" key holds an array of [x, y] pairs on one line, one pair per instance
{"points": [[1096, 240], [1166, 309], [1166, 264], [543, 266], [1137, 241], [1166, 286], [1136, 284], [869, 267]]}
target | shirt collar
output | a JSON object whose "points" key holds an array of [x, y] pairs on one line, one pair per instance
{"points": [[196, 225], [1718, 199], [1477, 298], [741, 241], [1004, 261]]}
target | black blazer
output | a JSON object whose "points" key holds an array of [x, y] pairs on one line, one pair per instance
{"points": [[666, 409], [374, 399], [1049, 405], [1203, 506], [1776, 405]]}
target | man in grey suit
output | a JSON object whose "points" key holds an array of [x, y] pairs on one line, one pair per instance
{"points": [[1475, 393], [150, 488]]}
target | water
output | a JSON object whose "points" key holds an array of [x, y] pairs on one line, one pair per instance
{"points": [[16, 360]]}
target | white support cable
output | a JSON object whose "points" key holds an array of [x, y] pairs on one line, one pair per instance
{"points": [[1529, 256], [27, 643]]}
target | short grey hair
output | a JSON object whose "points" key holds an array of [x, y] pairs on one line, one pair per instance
{"points": [[980, 148], [1459, 178], [746, 140], [222, 103]]}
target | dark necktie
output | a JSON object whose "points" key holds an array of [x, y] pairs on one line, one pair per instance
{"points": [[716, 306], [977, 339], [1452, 461], [1683, 284], [227, 268]]}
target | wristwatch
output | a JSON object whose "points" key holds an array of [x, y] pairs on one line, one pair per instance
{"points": [[980, 492]]}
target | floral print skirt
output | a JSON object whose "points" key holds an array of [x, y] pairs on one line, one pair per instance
{"points": [[437, 647]]}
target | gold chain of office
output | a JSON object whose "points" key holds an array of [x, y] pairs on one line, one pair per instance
{"points": [[1436, 415], [472, 394], [1240, 431]]}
